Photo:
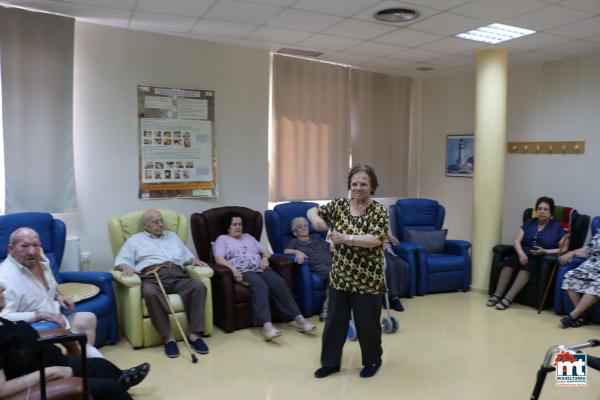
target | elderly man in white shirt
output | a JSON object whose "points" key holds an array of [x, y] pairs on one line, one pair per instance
{"points": [[31, 290], [154, 249]]}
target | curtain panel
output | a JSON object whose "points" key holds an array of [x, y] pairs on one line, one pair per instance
{"points": [[36, 65], [310, 146], [380, 122]]}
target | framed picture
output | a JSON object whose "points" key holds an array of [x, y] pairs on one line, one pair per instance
{"points": [[460, 155]]}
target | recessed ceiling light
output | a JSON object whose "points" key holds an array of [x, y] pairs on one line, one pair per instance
{"points": [[299, 52], [397, 15], [495, 33]]}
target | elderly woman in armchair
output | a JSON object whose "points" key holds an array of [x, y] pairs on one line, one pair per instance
{"points": [[249, 263], [582, 283]]}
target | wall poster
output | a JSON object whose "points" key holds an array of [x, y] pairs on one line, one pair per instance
{"points": [[177, 153], [460, 155]]}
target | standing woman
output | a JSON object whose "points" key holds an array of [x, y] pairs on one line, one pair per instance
{"points": [[359, 227]]}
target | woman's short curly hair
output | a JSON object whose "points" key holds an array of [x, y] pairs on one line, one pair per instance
{"points": [[227, 219], [367, 169], [547, 200]]}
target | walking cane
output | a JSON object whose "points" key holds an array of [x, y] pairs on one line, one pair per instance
{"points": [[561, 251], [162, 289]]}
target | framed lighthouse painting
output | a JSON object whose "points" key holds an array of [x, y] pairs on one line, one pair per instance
{"points": [[460, 155]]}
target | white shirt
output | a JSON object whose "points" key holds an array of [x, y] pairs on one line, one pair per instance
{"points": [[144, 249], [25, 294]]}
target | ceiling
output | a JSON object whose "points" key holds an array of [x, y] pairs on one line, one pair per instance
{"points": [[347, 33]]}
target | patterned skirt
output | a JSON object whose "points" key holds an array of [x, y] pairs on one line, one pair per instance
{"points": [[584, 279]]}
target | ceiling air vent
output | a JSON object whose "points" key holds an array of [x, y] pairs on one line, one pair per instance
{"points": [[299, 52], [397, 15]]}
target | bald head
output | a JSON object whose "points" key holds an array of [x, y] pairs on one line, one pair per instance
{"points": [[24, 246], [152, 222]]}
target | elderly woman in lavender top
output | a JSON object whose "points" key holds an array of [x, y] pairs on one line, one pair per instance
{"points": [[249, 262]]}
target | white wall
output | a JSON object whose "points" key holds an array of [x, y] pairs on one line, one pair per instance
{"points": [[109, 64], [552, 101]]}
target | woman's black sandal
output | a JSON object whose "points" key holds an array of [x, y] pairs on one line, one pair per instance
{"points": [[492, 301], [133, 376], [503, 304], [570, 322]]}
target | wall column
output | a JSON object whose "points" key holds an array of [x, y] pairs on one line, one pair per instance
{"points": [[490, 153]]}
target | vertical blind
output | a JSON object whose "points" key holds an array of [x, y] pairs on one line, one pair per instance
{"points": [[36, 66]]}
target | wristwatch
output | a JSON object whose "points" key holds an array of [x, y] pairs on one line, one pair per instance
{"points": [[351, 238]]}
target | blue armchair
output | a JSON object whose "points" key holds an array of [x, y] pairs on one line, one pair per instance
{"points": [[52, 235], [440, 272], [562, 303], [309, 290]]}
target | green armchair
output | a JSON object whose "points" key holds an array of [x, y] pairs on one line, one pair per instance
{"points": [[131, 308]]}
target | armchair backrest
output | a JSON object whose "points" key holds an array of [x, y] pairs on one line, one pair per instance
{"points": [[595, 228], [207, 226], [122, 228], [278, 222], [416, 214], [52, 234], [571, 221]]}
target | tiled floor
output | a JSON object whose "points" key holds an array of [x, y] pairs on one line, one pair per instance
{"points": [[450, 346]]}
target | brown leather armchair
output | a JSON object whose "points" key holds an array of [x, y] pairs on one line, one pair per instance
{"points": [[57, 389], [232, 305]]}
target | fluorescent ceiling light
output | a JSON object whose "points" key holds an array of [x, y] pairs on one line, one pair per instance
{"points": [[495, 33]]}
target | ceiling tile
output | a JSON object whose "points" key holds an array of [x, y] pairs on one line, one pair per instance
{"points": [[452, 60], [359, 29], [530, 57], [570, 49], [303, 20], [242, 12], [547, 18], [594, 39], [453, 45], [348, 58], [188, 8], [408, 37], [584, 5], [223, 29], [438, 4], [448, 24], [498, 10], [376, 49], [161, 22], [367, 15], [280, 3], [579, 30], [121, 4], [535, 41], [84, 13], [279, 35], [390, 63], [329, 42], [416, 54], [343, 8]]}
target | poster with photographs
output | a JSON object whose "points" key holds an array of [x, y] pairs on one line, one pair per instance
{"points": [[177, 144]]}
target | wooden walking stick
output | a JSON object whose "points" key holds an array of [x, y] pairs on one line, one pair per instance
{"points": [[162, 289], [561, 250]]}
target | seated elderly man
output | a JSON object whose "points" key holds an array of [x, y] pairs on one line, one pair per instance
{"points": [[163, 251], [313, 248], [31, 290]]}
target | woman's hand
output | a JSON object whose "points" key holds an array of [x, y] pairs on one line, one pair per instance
{"points": [[523, 259], [58, 372], [537, 251], [237, 275], [566, 258], [337, 238], [300, 256], [264, 262]]}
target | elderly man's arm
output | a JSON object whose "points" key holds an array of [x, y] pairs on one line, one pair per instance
{"points": [[125, 269]]}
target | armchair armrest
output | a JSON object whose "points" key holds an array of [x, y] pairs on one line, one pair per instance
{"points": [[503, 250], [129, 281], [404, 249], [196, 272], [71, 346], [302, 281], [457, 247], [283, 266]]}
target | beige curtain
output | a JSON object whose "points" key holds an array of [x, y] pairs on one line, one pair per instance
{"points": [[36, 65], [310, 144], [380, 115]]}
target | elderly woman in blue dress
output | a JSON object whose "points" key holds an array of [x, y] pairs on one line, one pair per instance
{"points": [[536, 237], [582, 283]]}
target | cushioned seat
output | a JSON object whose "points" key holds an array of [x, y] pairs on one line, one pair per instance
{"points": [[133, 314], [444, 263]]}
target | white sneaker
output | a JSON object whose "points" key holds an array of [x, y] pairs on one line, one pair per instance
{"points": [[271, 334], [307, 328]]}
